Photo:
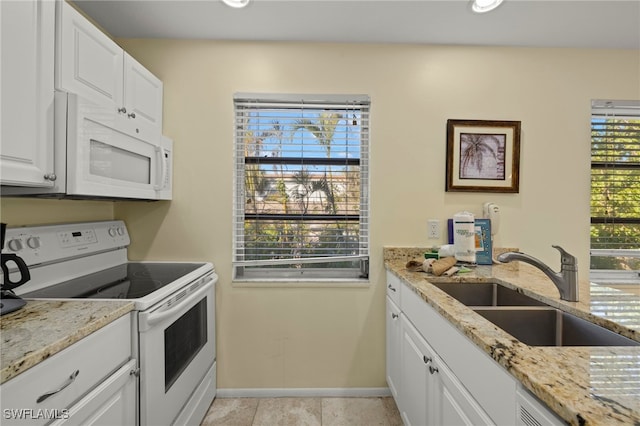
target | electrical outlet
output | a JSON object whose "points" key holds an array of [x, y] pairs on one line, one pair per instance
{"points": [[433, 229]]}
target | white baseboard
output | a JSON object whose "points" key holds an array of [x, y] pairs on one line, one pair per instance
{"points": [[302, 392]]}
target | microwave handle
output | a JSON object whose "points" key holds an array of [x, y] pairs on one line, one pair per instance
{"points": [[165, 165]]}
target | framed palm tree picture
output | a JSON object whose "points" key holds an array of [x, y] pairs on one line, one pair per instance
{"points": [[483, 156]]}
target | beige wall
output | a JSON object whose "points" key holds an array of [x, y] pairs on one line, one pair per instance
{"points": [[26, 211], [334, 337]]}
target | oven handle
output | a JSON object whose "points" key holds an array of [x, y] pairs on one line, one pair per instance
{"points": [[149, 319]]}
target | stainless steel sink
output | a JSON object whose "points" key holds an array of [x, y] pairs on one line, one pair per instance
{"points": [[539, 326], [486, 294]]}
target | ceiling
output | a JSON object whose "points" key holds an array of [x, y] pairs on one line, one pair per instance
{"points": [[535, 23]]}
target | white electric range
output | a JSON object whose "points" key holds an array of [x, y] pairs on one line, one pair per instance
{"points": [[174, 303]]}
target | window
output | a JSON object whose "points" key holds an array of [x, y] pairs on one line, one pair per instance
{"points": [[615, 191], [301, 187]]}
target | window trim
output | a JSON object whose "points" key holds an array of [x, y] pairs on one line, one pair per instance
{"points": [[306, 276]]}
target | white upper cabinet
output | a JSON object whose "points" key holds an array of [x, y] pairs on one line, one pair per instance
{"points": [[27, 49], [87, 61], [142, 94], [93, 66]]}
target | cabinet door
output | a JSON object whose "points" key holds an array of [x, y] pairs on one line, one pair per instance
{"points": [[393, 348], [455, 406], [143, 93], [88, 62], [417, 390], [27, 56], [113, 402]]}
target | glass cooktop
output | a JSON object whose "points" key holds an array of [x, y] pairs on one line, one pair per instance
{"points": [[131, 280]]}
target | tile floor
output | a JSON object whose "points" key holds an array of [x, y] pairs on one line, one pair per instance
{"points": [[303, 412]]}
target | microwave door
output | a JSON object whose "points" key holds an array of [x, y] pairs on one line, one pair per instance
{"points": [[105, 162]]}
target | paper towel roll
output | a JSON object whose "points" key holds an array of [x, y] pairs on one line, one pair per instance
{"points": [[464, 241]]}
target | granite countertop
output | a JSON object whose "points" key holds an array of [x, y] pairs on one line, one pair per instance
{"points": [[43, 328], [583, 385]]}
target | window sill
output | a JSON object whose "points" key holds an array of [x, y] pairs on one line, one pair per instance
{"points": [[299, 283], [611, 276]]}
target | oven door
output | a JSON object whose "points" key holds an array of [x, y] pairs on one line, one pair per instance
{"points": [[105, 161], [177, 349]]}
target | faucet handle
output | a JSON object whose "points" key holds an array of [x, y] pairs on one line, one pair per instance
{"points": [[566, 259]]}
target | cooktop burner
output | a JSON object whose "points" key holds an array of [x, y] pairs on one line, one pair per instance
{"points": [[131, 280]]}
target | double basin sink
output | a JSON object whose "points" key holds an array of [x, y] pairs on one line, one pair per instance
{"points": [[529, 320]]}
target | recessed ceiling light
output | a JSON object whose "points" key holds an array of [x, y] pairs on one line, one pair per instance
{"points": [[236, 3], [482, 6]]}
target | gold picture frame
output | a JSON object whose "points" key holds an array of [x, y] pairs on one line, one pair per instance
{"points": [[483, 156]]}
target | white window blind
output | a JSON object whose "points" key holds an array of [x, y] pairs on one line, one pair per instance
{"points": [[301, 187], [615, 186]]}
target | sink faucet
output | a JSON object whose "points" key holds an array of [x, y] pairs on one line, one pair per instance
{"points": [[566, 280]]}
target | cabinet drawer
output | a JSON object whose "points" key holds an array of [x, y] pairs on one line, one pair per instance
{"points": [[393, 288], [90, 360]]}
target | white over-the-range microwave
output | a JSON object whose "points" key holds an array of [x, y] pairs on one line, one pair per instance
{"points": [[96, 157]]}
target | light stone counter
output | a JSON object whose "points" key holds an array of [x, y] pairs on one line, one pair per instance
{"points": [[43, 328], [583, 385]]}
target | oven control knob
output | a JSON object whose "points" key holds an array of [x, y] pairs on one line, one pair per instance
{"points": [[15, 245], [33, 242], [120, 230], [112, 232]]}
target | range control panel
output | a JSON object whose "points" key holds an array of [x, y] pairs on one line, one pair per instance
{"points": [[79, 237], [49, 243]]}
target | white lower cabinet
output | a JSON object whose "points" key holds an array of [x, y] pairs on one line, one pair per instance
{"points": [[437, 376], [393, 347], [430, 393], [417, 394], [92, 382]]}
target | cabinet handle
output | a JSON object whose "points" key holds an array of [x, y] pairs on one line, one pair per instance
{"points": [[394, 316], [391, 287], [427, 360], [123, 110], [50, 176], [132, 115], [433, 369], [70, 380]]}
